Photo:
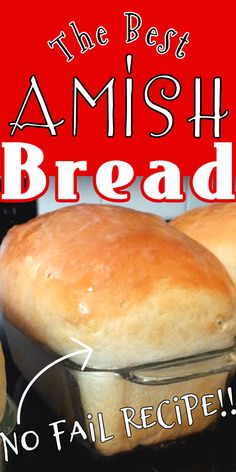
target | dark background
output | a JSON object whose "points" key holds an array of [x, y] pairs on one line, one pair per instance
{"points": [[15, 213]]}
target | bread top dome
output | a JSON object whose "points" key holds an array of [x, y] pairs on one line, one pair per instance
{"points": [[214, 226], [126, 283]]}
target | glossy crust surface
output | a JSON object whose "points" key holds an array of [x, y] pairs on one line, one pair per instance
{"points": [[214, 226], [124, 282]]}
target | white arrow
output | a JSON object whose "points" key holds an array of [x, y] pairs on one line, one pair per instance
{"points": [[86, 349]]}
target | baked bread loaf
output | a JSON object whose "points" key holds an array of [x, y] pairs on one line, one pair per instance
{"points": [[213, 226], [124, 282], [2, 385], [134, 289]]}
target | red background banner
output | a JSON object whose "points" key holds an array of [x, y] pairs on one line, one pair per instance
{"points": [[26, 28]]}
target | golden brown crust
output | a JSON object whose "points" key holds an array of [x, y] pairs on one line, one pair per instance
{"points": [[2, 385], [214, 226], [123, 282]]}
